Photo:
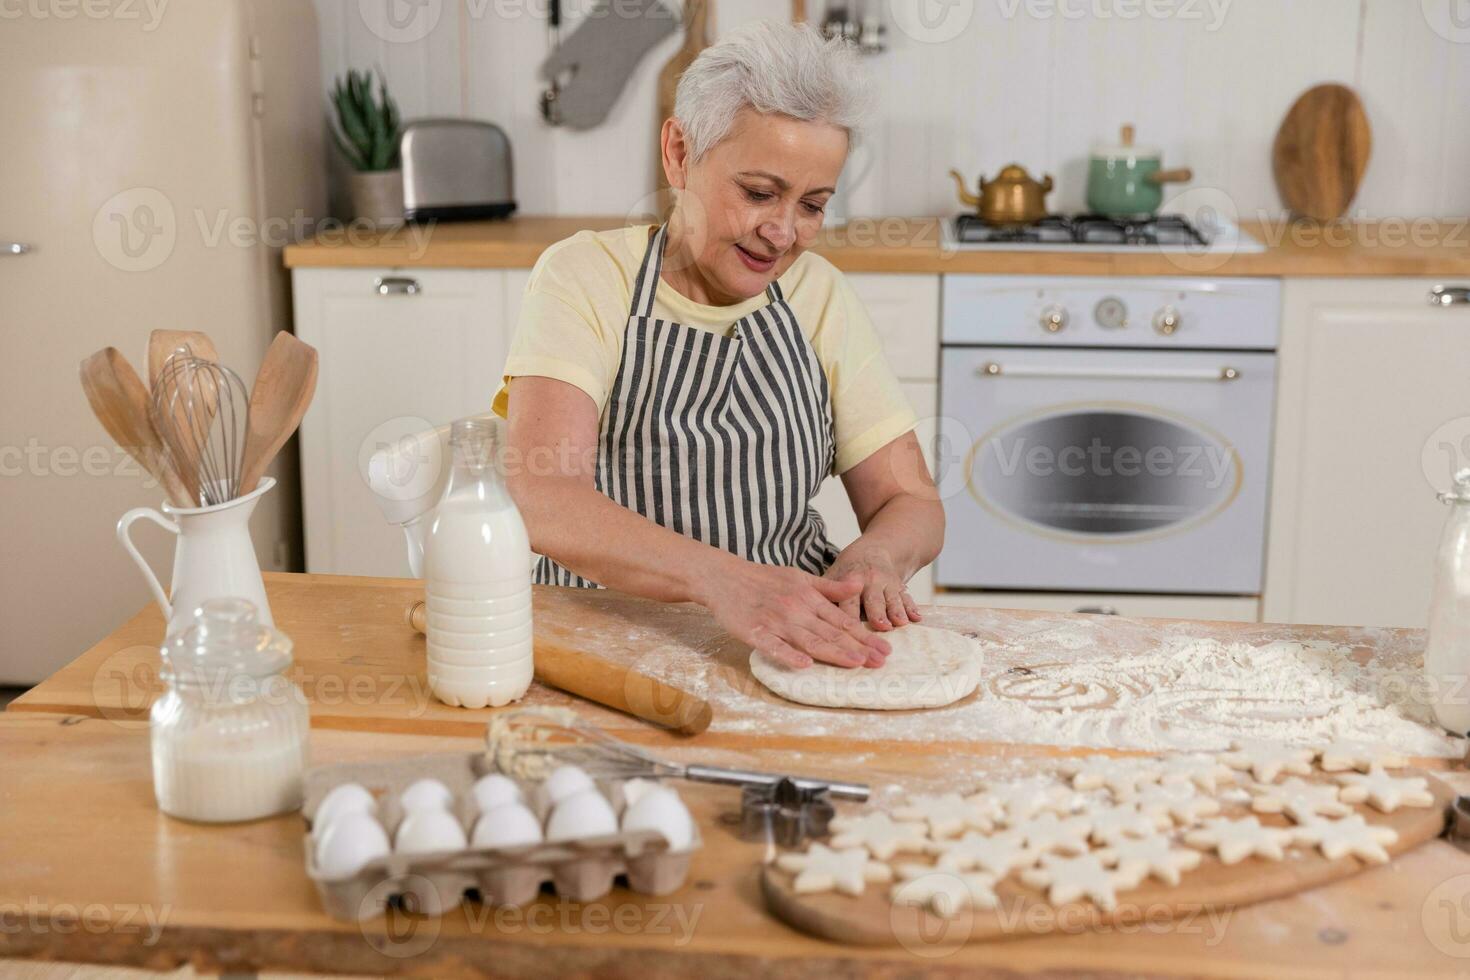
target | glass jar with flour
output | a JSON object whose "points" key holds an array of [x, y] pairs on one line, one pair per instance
{"points": [[1447, 657], [229, 734]]}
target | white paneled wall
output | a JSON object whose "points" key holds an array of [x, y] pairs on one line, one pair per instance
{"points": [[1034, 81]]}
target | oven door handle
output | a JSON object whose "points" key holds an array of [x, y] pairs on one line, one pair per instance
{"points": [[993, 369]]}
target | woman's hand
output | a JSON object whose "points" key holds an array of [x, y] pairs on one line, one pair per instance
{"points": [[882, 598], [792, 616]]}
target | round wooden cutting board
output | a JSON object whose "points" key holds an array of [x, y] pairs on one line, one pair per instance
{"points": [[1321, 152], [1209, 890]]}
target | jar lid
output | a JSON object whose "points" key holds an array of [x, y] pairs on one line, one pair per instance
{"points": [[225, 638]]}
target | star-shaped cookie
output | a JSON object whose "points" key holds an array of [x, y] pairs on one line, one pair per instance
{"points": [[945, 893], [1122, 776], [1047, 832], [1179, 802], [1236, 840], [1154, 855], [1345, 753], [1070, 879], [948, 814], [1020, 799], [1298, 799], [1205, 771], [879, 833], [1267, 760], [822, 869], [1384, 792], [1113, 823], [996, 853], [1350, 835]]}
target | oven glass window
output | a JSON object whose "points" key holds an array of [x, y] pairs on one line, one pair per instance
{"points": [[1104, 472]]}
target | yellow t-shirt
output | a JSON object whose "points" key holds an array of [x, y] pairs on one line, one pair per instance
{"points": [[575, 310]]}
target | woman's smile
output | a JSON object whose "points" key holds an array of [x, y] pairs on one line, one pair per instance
{"points": [[755, 261]]}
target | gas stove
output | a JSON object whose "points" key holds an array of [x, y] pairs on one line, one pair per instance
{"points": [[1096, 233]]}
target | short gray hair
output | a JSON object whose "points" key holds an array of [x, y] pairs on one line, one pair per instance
{"points": [[770, 66]]}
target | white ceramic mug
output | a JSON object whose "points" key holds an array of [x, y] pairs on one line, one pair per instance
{"points": [[213, 558]]}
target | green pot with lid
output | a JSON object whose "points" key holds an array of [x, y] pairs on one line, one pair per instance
{"points": [[1125, 180]]}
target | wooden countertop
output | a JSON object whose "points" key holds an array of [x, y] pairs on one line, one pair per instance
{"points": [[81, 839], [1421, 247]]}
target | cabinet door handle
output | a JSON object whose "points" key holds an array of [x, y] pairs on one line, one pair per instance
{"points": [[396, 286], [1449, 296], [992, 369], [1097, 610], [16, 248]]}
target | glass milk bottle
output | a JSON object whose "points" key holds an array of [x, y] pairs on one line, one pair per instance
{"points": [[229, 734], [1447, 658], [477, 580]]}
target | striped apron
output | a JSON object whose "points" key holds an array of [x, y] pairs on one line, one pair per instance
{"points": [[721, 439]]}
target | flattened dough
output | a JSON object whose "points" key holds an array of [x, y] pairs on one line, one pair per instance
{"points": [[928, 668]]}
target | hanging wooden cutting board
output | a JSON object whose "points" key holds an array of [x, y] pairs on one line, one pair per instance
{"points": [[1321, 152], [696, 39], [872, 920]]}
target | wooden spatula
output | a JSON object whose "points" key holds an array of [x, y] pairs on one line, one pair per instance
{"points": [[282, 392], [162, 343], [120, 402]]}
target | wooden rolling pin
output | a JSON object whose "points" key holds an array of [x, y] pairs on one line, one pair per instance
{"points": [[606, 683]]}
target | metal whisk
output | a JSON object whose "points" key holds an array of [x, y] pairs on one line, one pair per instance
{"points": [[531, 742], [200, 409]]}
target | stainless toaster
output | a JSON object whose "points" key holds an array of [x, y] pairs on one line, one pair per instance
{"points": [[455, 169]]}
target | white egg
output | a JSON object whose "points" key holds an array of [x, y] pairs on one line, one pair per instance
{"points": [[426, 793], [510, 825], [635, 789], [341, 800], [563, 782], [496, 790], [661, 810], [427, 830], [350, 842], [585, 814]]}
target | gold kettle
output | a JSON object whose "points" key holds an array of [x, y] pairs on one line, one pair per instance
{"points": [[1012, 198]]}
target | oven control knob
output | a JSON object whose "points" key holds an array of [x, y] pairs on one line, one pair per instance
{"points": [[1111, 313], [1053, 318], [1167, 320]]}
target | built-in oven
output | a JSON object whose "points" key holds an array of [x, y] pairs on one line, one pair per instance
{"points": [[1106, 435]]}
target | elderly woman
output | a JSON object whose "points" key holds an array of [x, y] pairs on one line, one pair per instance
{"points": [[678, 393]]}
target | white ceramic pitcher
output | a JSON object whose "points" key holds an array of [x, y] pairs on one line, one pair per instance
{"points": [[213, 558]]}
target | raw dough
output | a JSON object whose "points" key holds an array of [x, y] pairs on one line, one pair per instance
{"points": [[1384, 792], [949, 814], [1179, 802], [1267, 760], [1021, 799], [928, 668], [822, 869], [1300, 800], [1111, 824], [1348, 754], [1204, 771], [1236, 840], [1069, 879], [996, 854], [879, 833], [1122, 776], [1352, 835], [1153, 855], [945, 893], [1046, 832]]}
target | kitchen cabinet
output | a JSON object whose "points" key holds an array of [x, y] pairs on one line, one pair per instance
{"points": [[1373, 414], [401, 351], [1235, 609], [905, 313]]}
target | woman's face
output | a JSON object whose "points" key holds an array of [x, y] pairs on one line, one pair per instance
{"points": [[754, 202]]}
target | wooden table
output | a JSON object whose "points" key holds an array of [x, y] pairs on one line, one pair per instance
{"points": [[92, 872]]}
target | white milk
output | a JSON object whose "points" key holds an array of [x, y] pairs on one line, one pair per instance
{"points": [[477, 579]]}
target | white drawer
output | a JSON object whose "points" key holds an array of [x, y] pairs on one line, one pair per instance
{"points": [[1239, 609], [905, 312]]}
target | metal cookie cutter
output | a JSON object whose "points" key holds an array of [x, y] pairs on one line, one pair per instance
{"points": [[1457, 824], [784, 813]]}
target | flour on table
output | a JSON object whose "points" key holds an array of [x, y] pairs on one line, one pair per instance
{"points": [[927, 668]]}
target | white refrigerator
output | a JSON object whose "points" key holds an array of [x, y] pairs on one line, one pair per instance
{"points": [[155, 159]]}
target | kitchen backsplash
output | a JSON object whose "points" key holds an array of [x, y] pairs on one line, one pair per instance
{"points": [[977, 84]]}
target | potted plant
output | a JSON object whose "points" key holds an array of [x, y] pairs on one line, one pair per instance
{"points": [[367, 133]]}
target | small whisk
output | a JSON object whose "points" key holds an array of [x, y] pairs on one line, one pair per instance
{"points": [[200, 409], [531, 742]]}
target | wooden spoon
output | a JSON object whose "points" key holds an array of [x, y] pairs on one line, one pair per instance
{"points": [[162, 343], [282, 392], [120, 402]]}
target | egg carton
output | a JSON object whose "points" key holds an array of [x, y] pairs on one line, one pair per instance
{"points": [[581, 870]]}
